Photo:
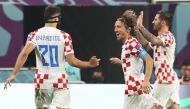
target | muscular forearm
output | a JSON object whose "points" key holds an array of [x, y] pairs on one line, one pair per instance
{"points": [[73, 61], [142, 40], [81, 64], [150, 37]]}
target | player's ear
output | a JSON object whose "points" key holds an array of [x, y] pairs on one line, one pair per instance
{"points": [[56, 19], [129, 30], [163, 22]]}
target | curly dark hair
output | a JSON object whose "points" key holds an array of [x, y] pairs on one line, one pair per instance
{"points": [[128, 22], [130, 14]]}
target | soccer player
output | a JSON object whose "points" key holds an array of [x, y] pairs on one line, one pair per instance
{"points": [[166, 86], [185, 75], [51, 47], [129, 13], [132, 57]]}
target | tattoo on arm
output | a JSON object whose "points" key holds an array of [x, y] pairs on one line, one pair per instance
{"points": [[150, 37], [142, 40]]}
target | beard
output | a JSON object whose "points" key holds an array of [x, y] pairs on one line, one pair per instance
{"points": [[157, 27]]}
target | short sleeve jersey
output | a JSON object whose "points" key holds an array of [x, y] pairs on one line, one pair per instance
{"points": [[164, 59], [52, 45], [132, 66]]}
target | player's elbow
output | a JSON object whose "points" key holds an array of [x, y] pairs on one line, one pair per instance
{"points": [[24, 54], [154, 43], [157, 42], [72, 63], [71, 60]]}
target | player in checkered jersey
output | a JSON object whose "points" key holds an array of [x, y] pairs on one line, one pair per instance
{"points": [[51, 46], [166, 86], [132, 57]]}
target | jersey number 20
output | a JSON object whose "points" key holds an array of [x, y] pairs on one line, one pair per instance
{"points": [[52, 50]]}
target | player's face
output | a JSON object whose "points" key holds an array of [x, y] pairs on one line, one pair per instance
{"points": [[120, 30], [157, 23], [186, 70]]}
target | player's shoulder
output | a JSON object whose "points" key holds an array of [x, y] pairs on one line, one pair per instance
{"points": [[33, 33], [133, 41], [65, 34], [167, 34]]}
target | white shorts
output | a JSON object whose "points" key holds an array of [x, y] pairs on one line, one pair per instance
{"points": [[144, 101], [167, 94], [59, 97]]}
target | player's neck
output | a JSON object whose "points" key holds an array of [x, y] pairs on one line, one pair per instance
{"points": [[51, 25], [124, 39], [163, 30]]}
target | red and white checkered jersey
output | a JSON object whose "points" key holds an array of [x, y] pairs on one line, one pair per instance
{"points": [[164, 59], [132, 66], [52, 45]]}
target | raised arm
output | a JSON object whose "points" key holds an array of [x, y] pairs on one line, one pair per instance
{"points": [[150, 37], [146, 34], [142, 40]]}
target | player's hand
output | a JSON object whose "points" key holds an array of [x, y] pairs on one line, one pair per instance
{"points": [[94, 62], [115, 60], [9, 80], [146, 86], [140, 19]]}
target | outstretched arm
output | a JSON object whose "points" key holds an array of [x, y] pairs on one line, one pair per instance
{"points": [[73, 61], [115, 60], [29, 47], [148, 35]]}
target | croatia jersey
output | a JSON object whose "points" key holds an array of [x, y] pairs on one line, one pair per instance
{"points": [[164, 59], [132, 66], [52, 45]]}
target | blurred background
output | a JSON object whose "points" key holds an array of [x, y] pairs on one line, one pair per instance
{"points": [[91, 26]]}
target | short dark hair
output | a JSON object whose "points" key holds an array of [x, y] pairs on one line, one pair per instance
{"points": [[166, 16], [50, 11], [186, 62]]}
